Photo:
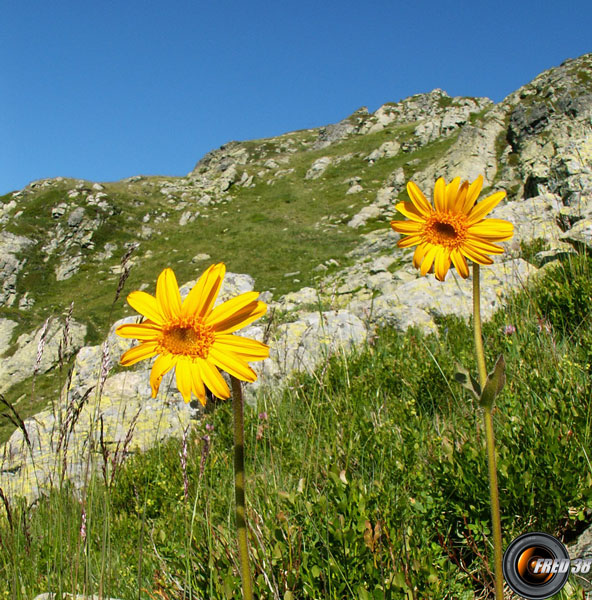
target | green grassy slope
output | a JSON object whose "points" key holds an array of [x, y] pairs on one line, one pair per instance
{"points": [[282, 225]]}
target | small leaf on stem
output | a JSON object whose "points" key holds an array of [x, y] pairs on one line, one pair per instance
{"points": [[468, 381], [494, 384]]}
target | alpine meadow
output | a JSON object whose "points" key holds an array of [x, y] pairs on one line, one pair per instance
{"points": [[345, 362]]}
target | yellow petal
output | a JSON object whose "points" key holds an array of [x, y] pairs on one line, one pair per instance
{"points": [[138, 353], [457, 204], [497, 230], [420, 252], [460, 263], [245, 347], [451, 193], [428, 260], [201, 298], [483, 246], [442, 264], [475, 256], [407, 209], [417, 197], [183, 372], [167, 294], [239, 319], [406, 226], [226, 309], [146, 305], [141, 331], [197, 384], [410, 240], [233, 365], [163, 364], [212, 378], [482, 208], [439, 192], [473, 194]]}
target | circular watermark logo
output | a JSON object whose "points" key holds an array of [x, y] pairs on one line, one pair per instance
{"points": [[536, 565]]}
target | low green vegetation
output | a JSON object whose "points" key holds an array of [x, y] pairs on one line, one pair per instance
{"points": [[529, 250], [366, 480]]}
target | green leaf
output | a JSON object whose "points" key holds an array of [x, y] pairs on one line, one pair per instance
{"points": [[494, 384], [467, 380]]}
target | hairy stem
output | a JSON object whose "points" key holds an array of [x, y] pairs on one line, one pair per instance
{"points": [[239, 488], [489, 440]]}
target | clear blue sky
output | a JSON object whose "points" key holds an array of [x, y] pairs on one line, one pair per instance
{"points": [[107, 89]]}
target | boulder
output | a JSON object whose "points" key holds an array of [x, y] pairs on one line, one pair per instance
{"points": [[68, 267], [385, 150], [24, 361], [533, 219], [318, 167], [11, 247], [361, 218], [303, 344], [582, 548], [6, 328]]}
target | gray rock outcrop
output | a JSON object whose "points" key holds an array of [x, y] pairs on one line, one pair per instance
{"points": [[11, 263], [6, 328], [582, 548], [472, 154], [33, 355], [339, 131], [436, 114], [318, 167]]}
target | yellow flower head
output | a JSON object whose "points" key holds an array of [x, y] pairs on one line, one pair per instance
{"points": [[193, 337], [454, 229]]}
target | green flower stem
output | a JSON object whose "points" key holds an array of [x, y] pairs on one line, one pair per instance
{"points": [[490, 441], [239, 488]]}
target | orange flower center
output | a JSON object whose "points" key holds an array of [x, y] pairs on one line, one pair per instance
{"points": [[445, 229], [189, 337]]}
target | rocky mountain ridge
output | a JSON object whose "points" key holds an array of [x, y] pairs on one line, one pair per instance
{"points": [[306, 214]]}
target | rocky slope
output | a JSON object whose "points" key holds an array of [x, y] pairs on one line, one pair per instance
{"points": [[306, 216]]}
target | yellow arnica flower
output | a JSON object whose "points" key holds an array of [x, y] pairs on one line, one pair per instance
{"points": [[454, 229], [193, 337]]}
